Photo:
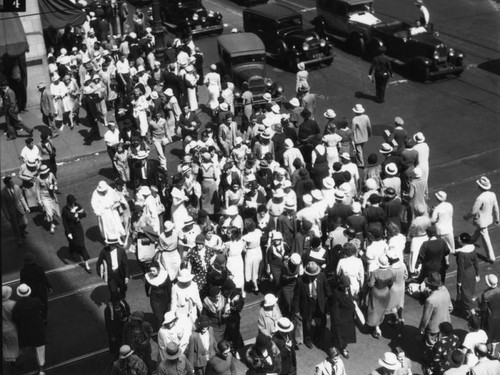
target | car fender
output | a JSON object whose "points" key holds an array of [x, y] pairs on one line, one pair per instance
{"points": [[421, 60]]}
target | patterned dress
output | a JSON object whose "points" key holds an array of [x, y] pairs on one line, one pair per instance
{"points": [[199, 266]]}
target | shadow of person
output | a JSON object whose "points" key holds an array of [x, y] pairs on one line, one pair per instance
{"points": [[362, 95], [65, 256], [43, 129], [107, 173], [405, 339], [100, 295], [39, 221], [94, 234]]}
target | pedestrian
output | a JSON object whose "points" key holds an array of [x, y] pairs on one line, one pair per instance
{"points": [[361, 131], [439, 360], [47, 108], [388, 365], [417, 235], [27, 315], [89, 104], [112, 267], [158, 127], [106, 203], [382, 68], [14, 208], [467, 273], [490, 308], [10, 342], [202, 345], [484, 366], [332, 364], [442, 218], [417, 195], [48, 153], [343, 310], [397, 292], [301, 76], [223, 363], [433, 256], [263, 357], [423, 157], [159, 289], [352, 267], [175, 362], [234, 249], [12, 118], [47, 189], [475, 337], [213, 83], [269, 315], [185, 300], [235, 304], [116, 314], [128, 363], [59, 90], [137, 334], [424, 13], [283, 338], [484, 213], [437, 309], [71, 216], [112, 139], [380, 283], [216, 308]]}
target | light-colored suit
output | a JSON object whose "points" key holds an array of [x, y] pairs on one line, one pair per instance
{"points": [[14, 208], [486, 366], [437, 310], [484, 212]]}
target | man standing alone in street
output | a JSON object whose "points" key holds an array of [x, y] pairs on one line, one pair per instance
{"points": [[484, 213], [383, 71], [15, 208], [362, 131]]}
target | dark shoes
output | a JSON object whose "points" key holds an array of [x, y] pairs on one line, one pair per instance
{"points": [[308, 344]]}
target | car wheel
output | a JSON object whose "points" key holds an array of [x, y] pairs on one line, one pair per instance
{"points": [[356, 45]]}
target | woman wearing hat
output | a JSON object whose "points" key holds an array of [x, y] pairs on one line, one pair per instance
{"points": [[128, 362], [397, 292], [10, 344], [276, 254], [347, 142], [46, 187], [468, 273], [28, 172], [343, 308], [253, 253], [105, 203], [380, 282], [71, 215], [59, 90], [217, 310], [178, 211], [352, 267], [71, 100], [202, 345], [417, 235], [198, 260], [186, 301], [213, 83]]}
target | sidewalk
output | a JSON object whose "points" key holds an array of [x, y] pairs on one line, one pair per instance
{"points": [[69, 143]]}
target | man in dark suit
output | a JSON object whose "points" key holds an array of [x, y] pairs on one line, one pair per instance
{"points": [[433, 256], [173, 81], [12, 119], [392, 206], [112, 266], [310, 299], [14, 208], [382, 68]]}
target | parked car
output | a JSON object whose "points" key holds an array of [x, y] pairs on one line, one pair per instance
{"points": [[190, 17], [243, 59], [249, 3], [418, 49], [286, 40]]}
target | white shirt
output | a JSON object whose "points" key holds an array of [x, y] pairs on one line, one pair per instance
{"points": [[442, 216], [122, 67], [373, 252], [112, 138], [30, 153], [114, 259]]}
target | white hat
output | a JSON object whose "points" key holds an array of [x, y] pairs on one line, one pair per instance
{"points": [[484, 183], [301, 66], [63, 51], [386, 148], [55, 77], [185, 276], [358, 108], [276, 235], [140, 69], [328, 183], [491, 280], [295, 102], [224, 106], [276, 109], [144, 190], [419, 137], [417, 172], [141, 155], [169, 317], [41, 85], [238, 141], [330, 113], [286, 184], [267, 96], [391, 169], [345, 155], [270, 300], [317, 194], [339, 195], [284, 325], [6, 292], [295, 259], [356, 207], [96, 76], [288, 143], [154, 95], [169, 92], [213, 67], [279, 193], [102, 186], [132, 35], [307, 199], [23, 290], [389, 361], [168, 225], [441, 195]]}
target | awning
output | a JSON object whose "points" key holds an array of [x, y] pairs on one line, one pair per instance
{"points": [[13, 40], [59, 13]]}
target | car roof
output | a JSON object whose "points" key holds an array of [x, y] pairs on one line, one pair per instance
{"points": [[276, 11], [354, 2], [241, 42]]}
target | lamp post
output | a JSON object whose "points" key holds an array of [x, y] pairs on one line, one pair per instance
{"points": [[159, 31]]}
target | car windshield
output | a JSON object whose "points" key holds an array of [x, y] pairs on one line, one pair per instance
{"points": [[189, 3], [247, 59], [360, 8], [290, 22]]}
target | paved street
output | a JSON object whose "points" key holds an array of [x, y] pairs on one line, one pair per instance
{"points": [[459, 117]]}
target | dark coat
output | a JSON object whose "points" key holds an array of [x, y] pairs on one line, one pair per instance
{"points": [[34, 276], [288, 356], [392, 209], [72, 225], [338, 210], [302, 302], [27, 315], [432, 256], [342, 315], [14, 205], [174, 82], [122, 272], [196, 353]]}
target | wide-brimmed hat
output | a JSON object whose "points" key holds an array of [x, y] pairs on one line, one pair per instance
{"points": [[441, 196], [295, 259], [356, 207], [125, 351], [307, 199], [111, 241], [491, 280], [31, 162], [294, 102], [184, 276], [328, 183], [339, 195], [169, 317], [417, 172], [284, 325], [172, 351], [399, 121], [389, 361], [102, 186], [279, 193], [484, 183], [23, 290], [270, 300], [41, 85], [188, 221], [383, 261], [358, 108], [276, 109], [301, 66], [345, 156], [390, 192], [137, 315], [330, 113], [266, 134], [6, 292], [168, 225], [44, 169], [419, 137], [391, 169], [434, 279], [55, 77], [456, 358], [312, 269], [224, 106], [169, 92], [317, 194], [386, 148], [289, 205], [344, 281]]}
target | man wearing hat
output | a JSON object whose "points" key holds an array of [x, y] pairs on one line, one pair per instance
{"points": [[295, 110], [90, 104], [31, 331], [433, 255], [490, 308], [437, 309], [398, 135], [456, 360], [137, 334], [423, 157], [439, 360], [361, 132], [382, 68], [311, 294], [128, 363], [202, 345], [391, 178], [392, 206], [112, 266], [12, 119], [14, 208], [59, 91], [484, 213], [308, 99], [47, 108], [388, 364], [173, 331], [442, 218], [284, 340]]}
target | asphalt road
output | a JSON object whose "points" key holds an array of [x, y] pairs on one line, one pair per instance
{"points": [[459, 117]]}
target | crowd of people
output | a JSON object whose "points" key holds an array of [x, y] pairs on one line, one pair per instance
{"points": [[262, 200]]}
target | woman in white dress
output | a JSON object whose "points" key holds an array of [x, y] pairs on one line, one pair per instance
{"points": [[396, 242], [46, 187], [59, 91], [179, 212], [186, 301], [253, 253], [352, 267], [105, 203], [234, 252], [140, 113], [173, 112], [191, 80], [71, 99], [167, 254], [213, 83]]}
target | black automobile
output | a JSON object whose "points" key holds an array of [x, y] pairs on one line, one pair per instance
{"points": [[249, 3], [418, 49], [284, 36], [190, 17], [243, 59]]}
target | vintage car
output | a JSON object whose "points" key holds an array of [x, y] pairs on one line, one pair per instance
{"points": [[250, 3], [284, 37], [363, 32], [243, 58], [190, 17]]}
